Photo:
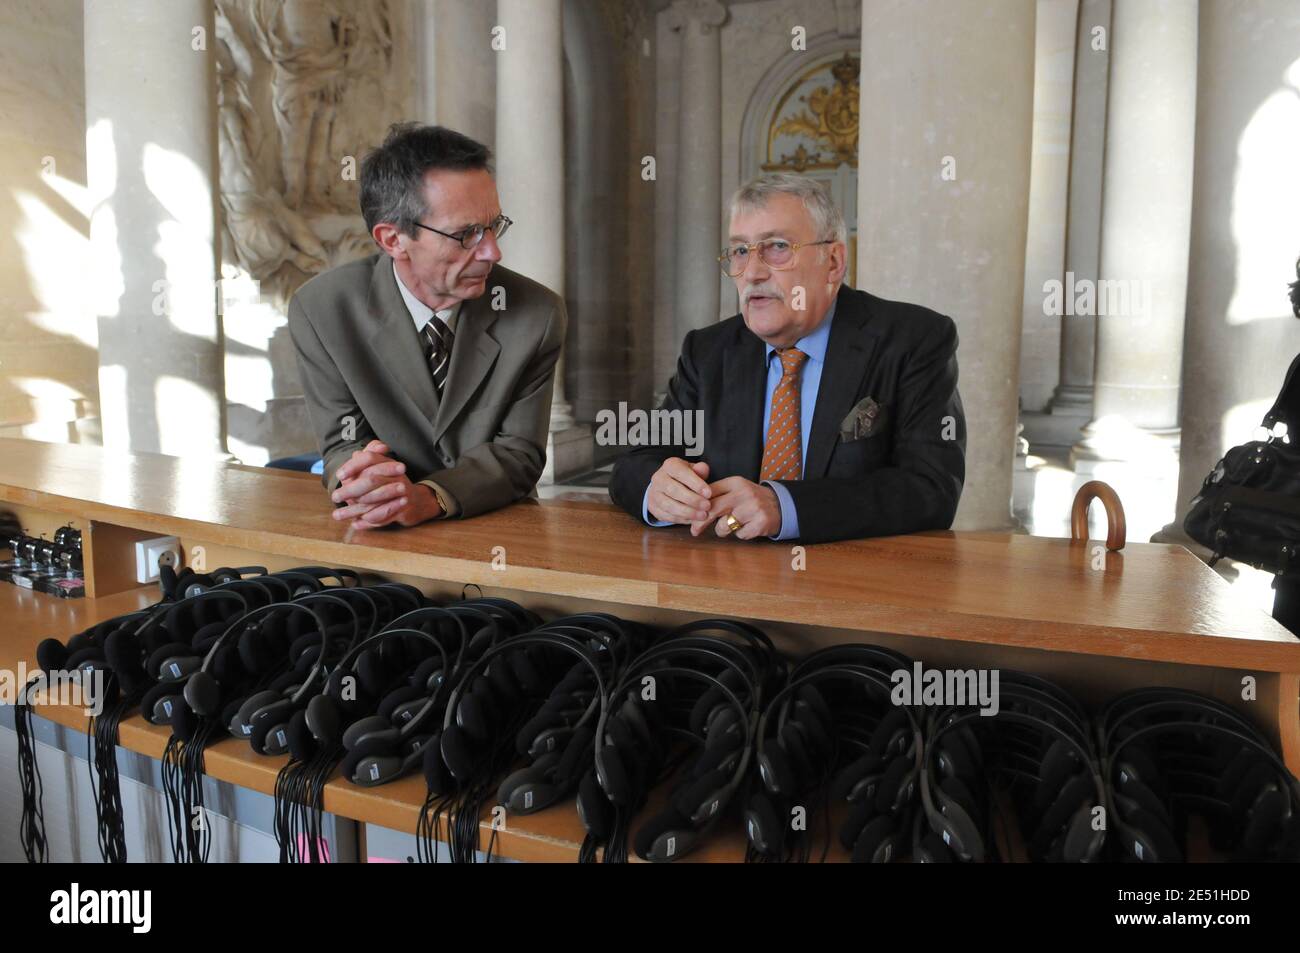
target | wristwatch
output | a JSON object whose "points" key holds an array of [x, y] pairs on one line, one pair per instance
{"points": [[444, 502]]}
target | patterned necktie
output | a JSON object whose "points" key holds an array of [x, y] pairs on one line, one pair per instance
{"points": [[783, 451], [437, 350]]}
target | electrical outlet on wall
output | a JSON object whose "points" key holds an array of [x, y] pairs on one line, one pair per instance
{"points": [[152, 553]]}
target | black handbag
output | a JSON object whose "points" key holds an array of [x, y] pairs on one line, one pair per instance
{"points": [[1248, 508]]}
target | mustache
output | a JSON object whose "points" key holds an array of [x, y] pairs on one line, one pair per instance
{"points": [[767, 291]]}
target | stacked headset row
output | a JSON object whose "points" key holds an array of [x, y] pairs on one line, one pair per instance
{"points": [[52, 566], [661, 736]]}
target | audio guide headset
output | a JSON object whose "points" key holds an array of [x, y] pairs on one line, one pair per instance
{"points": [[315, 732], [185, 583], [263, 717], [491, 621], [1039, 740], [633, 749], [112, 690], [390, 742], [484, 717], [1170, 753], [211, 697], [177, 641], [559, 738], [822, 751]]}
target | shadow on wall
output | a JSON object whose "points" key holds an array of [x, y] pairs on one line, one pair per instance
{"points": [[1241, 334], [48, 343]]}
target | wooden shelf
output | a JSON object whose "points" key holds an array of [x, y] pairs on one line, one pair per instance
{"points": [[555, 834]]}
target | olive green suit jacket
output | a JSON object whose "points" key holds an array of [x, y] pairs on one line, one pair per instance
{"points": [[364, 376]]}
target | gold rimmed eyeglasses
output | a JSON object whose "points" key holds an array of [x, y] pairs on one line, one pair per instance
{"points": [[774, 252]]}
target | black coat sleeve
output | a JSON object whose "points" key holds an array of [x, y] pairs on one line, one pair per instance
{"points": [[633, 470]]}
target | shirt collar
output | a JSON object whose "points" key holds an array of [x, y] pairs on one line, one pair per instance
{"points": [[421, 312], [813, 344]]}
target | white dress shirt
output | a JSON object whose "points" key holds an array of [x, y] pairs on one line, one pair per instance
{"points": [[420, 314]]}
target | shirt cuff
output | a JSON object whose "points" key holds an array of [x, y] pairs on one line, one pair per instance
{"points": [[789, 518], [645, 511], [450, 508]]}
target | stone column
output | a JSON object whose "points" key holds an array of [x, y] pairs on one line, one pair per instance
{"points": [[667, 81], [1145, 231], [458, 74], [1071, 402], [943, 196], [1055, 28], [699, 164], [151, 160], [530, 177], [1241, 335]]}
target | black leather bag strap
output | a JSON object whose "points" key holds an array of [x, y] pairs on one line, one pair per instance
{"points": [[1287, 406]]}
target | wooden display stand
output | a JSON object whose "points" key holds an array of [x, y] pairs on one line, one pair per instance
{"points": [[1098, 619]]}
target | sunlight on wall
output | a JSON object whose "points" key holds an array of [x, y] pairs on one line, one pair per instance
{"points": [[177, 403], [53, 249], [53, 408], [254, 454], [1241, 423], [1115, 438], [113, 406], [1053, 493], [248, 380], [107, 284], [1266, 205], [42, 388], [184, 242]]}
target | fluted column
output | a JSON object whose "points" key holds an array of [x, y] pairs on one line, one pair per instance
{"points": [[530, 151], [1145, 231], [151, 158], [1073, 395], [943, 198], [699, 163], [458, 75]]}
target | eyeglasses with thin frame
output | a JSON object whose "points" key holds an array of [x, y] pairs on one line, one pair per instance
{"points": [[470, 237], [776, 253]]}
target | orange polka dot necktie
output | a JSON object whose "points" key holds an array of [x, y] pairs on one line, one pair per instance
{"points": [[783, 451]]}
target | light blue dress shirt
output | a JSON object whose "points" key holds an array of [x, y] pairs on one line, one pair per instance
{"points": [[810, 380]]}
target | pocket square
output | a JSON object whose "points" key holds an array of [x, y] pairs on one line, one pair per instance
{"points": [[866, 419]]}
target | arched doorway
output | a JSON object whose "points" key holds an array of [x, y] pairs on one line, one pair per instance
{"points": [[803, 117]]}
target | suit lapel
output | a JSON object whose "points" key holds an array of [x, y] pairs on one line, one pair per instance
{"points": [[848, 353], [394, 338], [473, 352], [744, 384]]}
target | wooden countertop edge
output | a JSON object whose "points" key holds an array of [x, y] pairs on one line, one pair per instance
{"points": [[374, 559], [1108, 641]]}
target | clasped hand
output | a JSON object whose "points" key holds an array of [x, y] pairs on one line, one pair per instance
{"points": [[378, 492], [680, 493]]}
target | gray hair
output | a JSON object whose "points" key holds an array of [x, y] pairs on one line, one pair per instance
{"points": [[826, 218]]}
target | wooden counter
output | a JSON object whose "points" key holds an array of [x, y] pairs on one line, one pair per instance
{"points": [[1151, 614]]}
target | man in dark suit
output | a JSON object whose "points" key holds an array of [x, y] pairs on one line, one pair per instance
{"points": [[828, 413], [430, 397]]}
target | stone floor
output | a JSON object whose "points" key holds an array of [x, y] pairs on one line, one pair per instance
{"points": [[1043, 490]]}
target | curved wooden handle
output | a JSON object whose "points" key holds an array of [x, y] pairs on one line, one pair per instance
{"points": [[1115, 527]]}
